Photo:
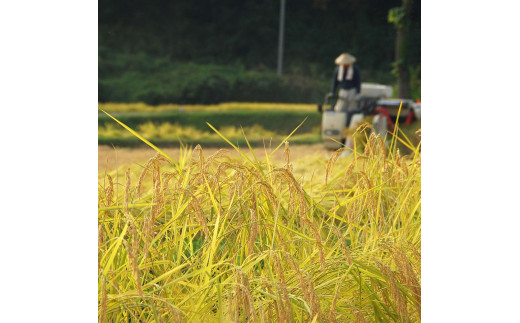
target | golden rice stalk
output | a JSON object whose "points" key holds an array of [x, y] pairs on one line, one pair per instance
{"points": [[109, 191], [286, 177], [377, 288], [287, 156], [214, 156], [332, 161], [359, 316], [282, 242], [143, 174], [152, 162], [268, 189], [416, 253], [127, 195], [104, 300], [135, 245], [177, 317], [134, 265], [243, 298], [237, 302], [157, 204], [270, 316], [166, 179], [332, 310], [397, 296], [303, 281], [348, 173], [248, 297], [362, 127], [198, 149], [276, 305], [147, 229], [159, 317], [410, 278], [369, 146], [316, 235], [253, 225], [375, 146], [101, 241], [381, 149], [307, 287], [303, 209], [314, 300], [101, 235], [140, 181], [220, 172], [346, 249], [195, 205], [285, 302], [367, 183], [397, 161], [284, 316], [261, 310], [157, 197]]}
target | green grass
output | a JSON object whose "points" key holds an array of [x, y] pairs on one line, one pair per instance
{"points": [[131, 142], [279, 121]]}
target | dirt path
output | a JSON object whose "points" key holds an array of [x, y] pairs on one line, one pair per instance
{"points": [[109, 158]]}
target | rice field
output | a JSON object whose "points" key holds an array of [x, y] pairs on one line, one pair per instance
{"points": [[110, 159], [242, 236], [176, 132]]}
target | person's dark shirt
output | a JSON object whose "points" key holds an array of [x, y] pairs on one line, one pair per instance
{"points": [[347, 84]]}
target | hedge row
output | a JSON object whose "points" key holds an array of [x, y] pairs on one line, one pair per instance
{"points": [[154, 81]]}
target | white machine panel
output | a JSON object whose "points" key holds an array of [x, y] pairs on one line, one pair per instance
{"points": [[332, 126], [374, 90]]}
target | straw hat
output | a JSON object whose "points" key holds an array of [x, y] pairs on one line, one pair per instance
{"points": [[345, 59]]}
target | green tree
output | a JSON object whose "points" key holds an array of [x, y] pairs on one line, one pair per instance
{"points": [[400, 17]]}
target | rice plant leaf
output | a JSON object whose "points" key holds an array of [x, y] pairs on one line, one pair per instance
{"points": [[230, 143], [165, 275], [392, 144], [285, 139], [295, 232], [141, 137], [120, 207], [114, 249], [407, 145], [405, 136], [355, 197], [154, 310], [249, 145], [216, 229]]}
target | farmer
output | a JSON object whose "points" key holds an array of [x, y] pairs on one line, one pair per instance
{"points": [[348, 77]]}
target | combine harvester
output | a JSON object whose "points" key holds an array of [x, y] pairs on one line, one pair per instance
{"points": [[375, 101]]}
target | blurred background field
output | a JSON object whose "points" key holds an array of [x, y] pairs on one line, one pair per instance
{"points": [[172, 125], [174, 66], [209, 52], [178, 65]]}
